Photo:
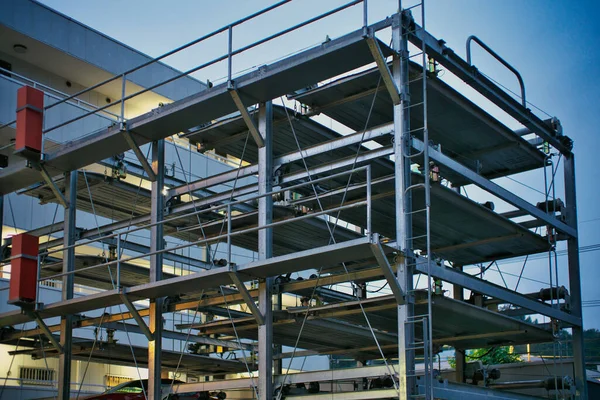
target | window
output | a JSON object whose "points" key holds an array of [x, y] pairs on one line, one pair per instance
{"points": [[5, 66], [36, 376]]}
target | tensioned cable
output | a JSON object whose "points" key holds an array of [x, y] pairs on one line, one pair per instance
{"points": [[204, 236], [237, 175], [332, 236], [187, 338], [12, 360], [113, 282], [255, 389], [91, 353]]}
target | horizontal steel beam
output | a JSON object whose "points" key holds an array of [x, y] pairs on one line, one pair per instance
{"points": [[338, 143], [300, 377], [480, 286], [494, 188]]}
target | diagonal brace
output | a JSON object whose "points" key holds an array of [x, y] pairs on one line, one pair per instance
{"points": [[52, 185], [247, 118], [388, 272], [386, 75], [46, 331], [137, 317], [138, 153], [235, 278]]}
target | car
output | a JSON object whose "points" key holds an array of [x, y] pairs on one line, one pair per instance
{"points": [[136, 390]]}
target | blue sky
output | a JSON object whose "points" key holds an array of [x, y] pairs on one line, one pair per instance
{"points": [[551, 42]]}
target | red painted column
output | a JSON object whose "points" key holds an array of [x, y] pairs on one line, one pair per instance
{"points": [[23, 269], [30, 111]]}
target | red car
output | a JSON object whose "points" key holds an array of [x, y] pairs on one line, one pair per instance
{"points": [[135, 390]]}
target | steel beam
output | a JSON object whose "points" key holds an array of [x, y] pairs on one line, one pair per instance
{"points": [[239, 284], [137, 317], [403, 205], [575, 277], [458, 293], [44, 328], [258, 138], [470, 282], [138, 153], [387, 271], [156, 266], [337, 143], [495, 189], [66, 321], [382, 65], [52, 185], [265, 251]]}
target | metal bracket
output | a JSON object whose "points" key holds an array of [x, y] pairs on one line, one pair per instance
{"points": [[246, 117], [247, 297], [46, 330], [387, 270], [386, 75], [138, 153], [59, 196], [137, 317]]}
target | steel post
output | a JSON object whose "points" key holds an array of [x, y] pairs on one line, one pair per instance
{"points": [[459, 354], [575, 276], [406, 368], [66, 321], [265, 251], [2, 222], [156, 264]]}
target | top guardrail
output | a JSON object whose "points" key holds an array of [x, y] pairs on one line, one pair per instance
{"points": [[228, 56]]}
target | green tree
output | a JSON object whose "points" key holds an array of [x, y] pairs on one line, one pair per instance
{"points": [[494, 355]]}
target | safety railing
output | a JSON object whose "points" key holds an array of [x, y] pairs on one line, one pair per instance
{"points": [[227, 220], [228, 56], [52, 93], [499, 59]]}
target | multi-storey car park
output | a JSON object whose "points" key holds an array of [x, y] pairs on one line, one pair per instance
{"points": [[234, 271]]}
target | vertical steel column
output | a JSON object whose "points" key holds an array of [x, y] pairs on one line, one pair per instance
{"points": [[66, 321], [156, 265], [406, 356], [265, 250], [575, 277], [1, 221], [459, 294]]}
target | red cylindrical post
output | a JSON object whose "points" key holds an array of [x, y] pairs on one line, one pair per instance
{"points": [[23, 269], [30, 111]]}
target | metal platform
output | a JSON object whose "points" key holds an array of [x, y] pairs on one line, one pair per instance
{"points": [[348, 332], [465, 131], [332, 58], [121, 354]]}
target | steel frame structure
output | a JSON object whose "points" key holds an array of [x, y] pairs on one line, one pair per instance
{"points": [[326, 169]]}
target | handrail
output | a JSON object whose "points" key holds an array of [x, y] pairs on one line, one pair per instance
{"points": [[227, 236], [59, 95], [500, 59], [206, 210], [178, 49], [227, 56]]}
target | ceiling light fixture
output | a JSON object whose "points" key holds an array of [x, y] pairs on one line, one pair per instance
{"points": [[20, 48]]}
